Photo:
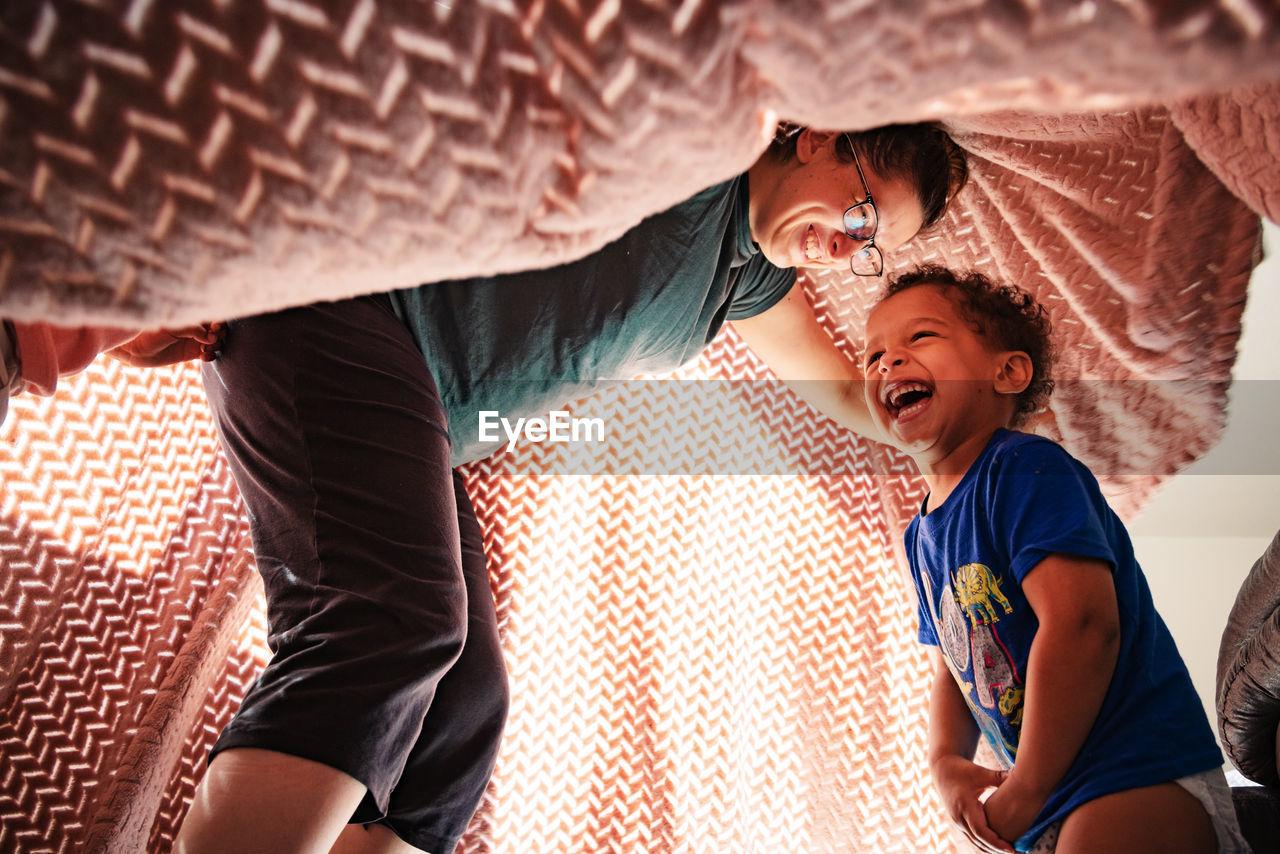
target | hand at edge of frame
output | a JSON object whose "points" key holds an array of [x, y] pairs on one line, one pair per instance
{"points": [[157, 347]]}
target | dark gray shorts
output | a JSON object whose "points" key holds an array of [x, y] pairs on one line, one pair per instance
{"points": [[386, 662]]}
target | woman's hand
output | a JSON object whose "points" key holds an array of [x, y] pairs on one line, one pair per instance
{"points": [[961, 784], [169, 346]]}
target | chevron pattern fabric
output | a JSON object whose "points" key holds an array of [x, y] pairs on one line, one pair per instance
{"points": [[186, 160], [128, 630]]}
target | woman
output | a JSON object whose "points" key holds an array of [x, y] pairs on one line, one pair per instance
{"points": [[384, 701]]}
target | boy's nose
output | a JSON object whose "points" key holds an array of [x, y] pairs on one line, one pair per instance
{"points": [[890, 360]]}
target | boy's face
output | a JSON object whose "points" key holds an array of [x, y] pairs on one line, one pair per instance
{"points": [[934, 385]]}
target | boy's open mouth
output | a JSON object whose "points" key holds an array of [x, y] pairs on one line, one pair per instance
{"points": [[907, 398]]}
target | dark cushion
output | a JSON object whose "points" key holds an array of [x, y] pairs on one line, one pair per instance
{"points": [[1258, 809], [1248, 697]]}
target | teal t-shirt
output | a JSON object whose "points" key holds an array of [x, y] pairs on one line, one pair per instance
{"points": [[525, 344]]}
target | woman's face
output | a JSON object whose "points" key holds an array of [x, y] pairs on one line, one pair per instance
{"points": [[799, 221]]}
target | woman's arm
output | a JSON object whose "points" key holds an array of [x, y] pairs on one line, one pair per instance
{"points": [[789, 339], [157, 347], [1073, 658]]}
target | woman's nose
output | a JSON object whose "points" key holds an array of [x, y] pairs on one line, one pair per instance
{"points": [[842, 246], [849, 245]]}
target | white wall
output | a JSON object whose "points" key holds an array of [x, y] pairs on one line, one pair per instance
{"points": [[1199, 537]]}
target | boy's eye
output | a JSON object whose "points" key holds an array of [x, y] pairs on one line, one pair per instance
{"points": [[924, 333], [874, 357]]}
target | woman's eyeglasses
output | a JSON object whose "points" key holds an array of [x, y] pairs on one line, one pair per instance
{"points": [[860, 223]]}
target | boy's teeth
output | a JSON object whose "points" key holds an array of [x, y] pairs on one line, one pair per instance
{"points": [[896, 396], [912, 408]]}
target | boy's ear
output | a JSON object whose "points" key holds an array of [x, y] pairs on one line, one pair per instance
{"points": [[1014, 372], [810, 142]]}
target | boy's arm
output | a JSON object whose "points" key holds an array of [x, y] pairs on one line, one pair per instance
{"points": [[953, 737], [790, 340], [1072, 660]]}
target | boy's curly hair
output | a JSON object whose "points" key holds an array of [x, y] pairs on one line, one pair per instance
{"points": [[1008, 318]]}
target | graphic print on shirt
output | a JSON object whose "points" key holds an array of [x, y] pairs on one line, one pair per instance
{"points": [[979, 593], [965, 620]]}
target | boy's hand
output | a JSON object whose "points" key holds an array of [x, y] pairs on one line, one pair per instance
{"points": [[1011, 809], [961, 783], [169, 346]]}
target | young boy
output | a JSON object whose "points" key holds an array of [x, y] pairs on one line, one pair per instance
{"points": [[1049, 644]]}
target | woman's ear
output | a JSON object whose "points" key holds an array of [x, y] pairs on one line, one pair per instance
{"points": [[810, 142], [1014, 372]]}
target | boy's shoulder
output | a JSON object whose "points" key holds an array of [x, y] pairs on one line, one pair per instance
{"points": [[1016, 461], [1028, 453]]}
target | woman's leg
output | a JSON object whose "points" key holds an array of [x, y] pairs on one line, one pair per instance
{"points": [[339, 443], [280, 802], [450, 765], [1163, 819]]}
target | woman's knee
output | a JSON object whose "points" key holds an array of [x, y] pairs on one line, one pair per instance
{"points": [[436, 641], [481, 682]]}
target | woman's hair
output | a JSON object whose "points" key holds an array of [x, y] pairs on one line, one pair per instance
{"points": [[1006, 316], [923, 155]]}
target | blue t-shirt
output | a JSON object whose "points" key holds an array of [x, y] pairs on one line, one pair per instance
{"points": [[524, 344], [1022, 500]]}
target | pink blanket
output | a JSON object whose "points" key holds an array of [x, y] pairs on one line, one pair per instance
{"points": [[193, 160]]}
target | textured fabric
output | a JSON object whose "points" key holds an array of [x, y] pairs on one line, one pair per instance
{"points": [[131, 623], [179, 162], [379, 611], [1234, 134], [1022, 500], [524, 344]]}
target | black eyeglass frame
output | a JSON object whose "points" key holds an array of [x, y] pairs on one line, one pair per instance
{"points": [[877, 261]]}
